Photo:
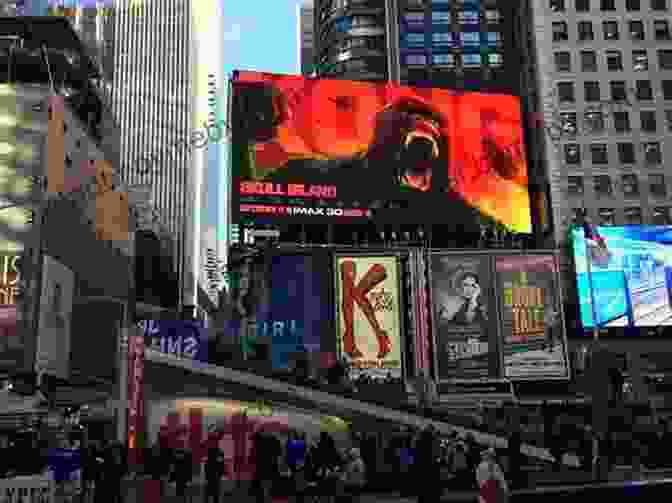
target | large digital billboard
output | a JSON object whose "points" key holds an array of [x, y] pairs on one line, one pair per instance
{"points": [[299, 311], [465, 319], [368, 313], [632, 289], [353, 151], [532, 343]]}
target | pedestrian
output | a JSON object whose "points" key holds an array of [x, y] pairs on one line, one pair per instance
{"points": [[492, 485], [355, 474], [214, 471], [296, 462], [514, 456], [427, 467], [406, 462], [460, 467], [183, 472], [263, 477], [113, 474]]}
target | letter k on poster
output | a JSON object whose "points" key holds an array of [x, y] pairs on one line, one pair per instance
{"points": [[368, 314]]}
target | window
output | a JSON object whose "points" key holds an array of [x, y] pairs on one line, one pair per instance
{"points": [[495, 59], [648, 121], [633, 216], [657, 185], [607, 5], [652, 153], [585, 31], [415, 18], [630, 185], [442, 39], [668, 120], [602, 185], [575, 185], [560, 32], [667, 89], [591, 91], [640, 61], [440, 17], [471, 60], [593, 121], [471, 38], [622, 122], [416, 59], [606, 216], [582, 5], [658, 4], [643, 90], [566, 92], [415, 39], [660, 216], [598, 153], [572, 153], [557, 5], [569, 123], [661, 29], [494, 38], [563, 62], [619, 91], [632, 5], [636, 30], [470, 17], [665, 59], [446, 60], [493, 16], [588, 61], [626, 153], [415, 3], [614, 61], [610, 30]]}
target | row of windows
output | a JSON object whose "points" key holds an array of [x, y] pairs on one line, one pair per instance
{"points": [[493, 60], [465, 17], [611, 30], [619, 90], [594, 122], [607, 5], [629, 185], [445, 3], [660, 215], [449, 38], [341, 48], [613, 60], [598, 153]]}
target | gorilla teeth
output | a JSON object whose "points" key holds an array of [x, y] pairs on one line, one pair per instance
{"points": [[419, 134]]}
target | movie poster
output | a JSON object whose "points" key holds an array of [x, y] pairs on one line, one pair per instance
{"points": [[464, 317], [368, 314], [533, 340]]}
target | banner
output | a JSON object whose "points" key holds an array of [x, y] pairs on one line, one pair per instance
{"points": [[183, 339], [533, 337], [368, 314], [464, 316], [298, 312], [53, 341]]}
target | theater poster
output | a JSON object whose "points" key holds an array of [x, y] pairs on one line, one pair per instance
{"points": [[533, 337], [368, 314], [464, 316]]}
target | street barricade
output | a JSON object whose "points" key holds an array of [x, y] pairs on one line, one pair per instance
{"points": [[28, 489]]}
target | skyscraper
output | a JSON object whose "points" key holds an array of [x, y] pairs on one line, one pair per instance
{"points": [[305, 31]]}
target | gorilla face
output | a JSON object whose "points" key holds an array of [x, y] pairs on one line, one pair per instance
{"points": [[419, 153]]}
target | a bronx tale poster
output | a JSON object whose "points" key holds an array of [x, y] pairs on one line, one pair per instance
{"points": [[368, 314], [533, 341]]}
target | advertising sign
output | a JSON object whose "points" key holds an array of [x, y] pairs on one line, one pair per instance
{"points": [[53, 341], [299, 143], [533, 338], [368, 314], [633, 288], [136, 364], [11, 342], [183, 339], [298, 311], [464, 316]]}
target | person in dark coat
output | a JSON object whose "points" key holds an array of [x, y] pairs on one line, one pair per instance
{"points": [[183, 471], [214, 470], [113, 474], [427, 467]]}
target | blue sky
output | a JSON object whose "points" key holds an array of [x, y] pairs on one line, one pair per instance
{"points": [[258, 36]]}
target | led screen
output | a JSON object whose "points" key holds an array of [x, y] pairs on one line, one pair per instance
{"points": [[633, 288], [343, 150]]}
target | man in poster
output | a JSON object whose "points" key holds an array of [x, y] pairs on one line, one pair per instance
{"points": [[468, 308]]}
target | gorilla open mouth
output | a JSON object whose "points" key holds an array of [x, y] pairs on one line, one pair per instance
{"points": [[420, 151]]}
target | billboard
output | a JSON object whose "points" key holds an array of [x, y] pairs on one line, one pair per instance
{"points": [[368, 313], [183, 339], [533, 344], [299, 311], [136, 413], [464, 315], [632, 289], [299, 143]]}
